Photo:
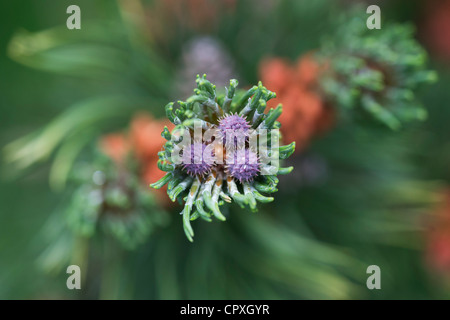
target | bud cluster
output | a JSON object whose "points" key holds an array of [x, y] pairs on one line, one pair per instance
{"points": [[223, 148]]}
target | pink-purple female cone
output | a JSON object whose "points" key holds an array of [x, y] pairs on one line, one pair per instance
{"points": [[199, 163], [233, 124], [245, 166]]}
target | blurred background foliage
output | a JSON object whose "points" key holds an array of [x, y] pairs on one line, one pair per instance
{"points": [[72, 123]]}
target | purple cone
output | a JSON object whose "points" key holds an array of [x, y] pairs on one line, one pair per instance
{"points": [[199, 162], [245, 166], [233, 124]]}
